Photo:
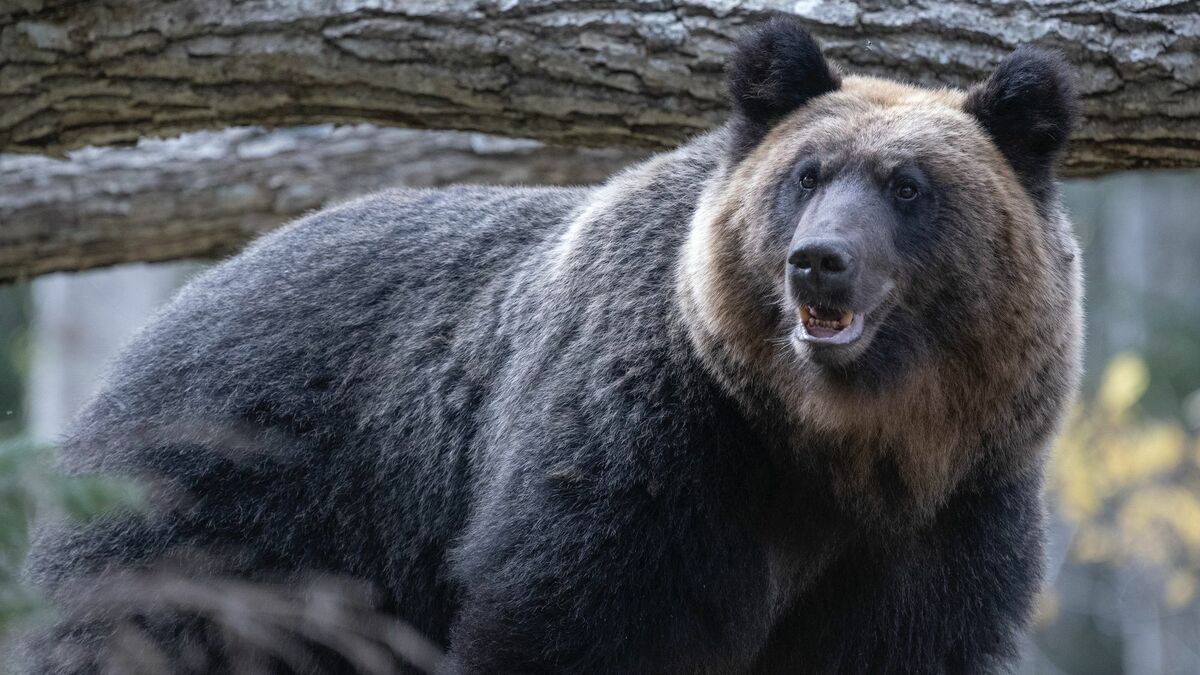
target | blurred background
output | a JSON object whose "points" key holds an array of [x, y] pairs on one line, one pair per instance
{"points": [[1124, 485]]}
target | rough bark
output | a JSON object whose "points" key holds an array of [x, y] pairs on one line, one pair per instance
{"points": [[204, 194], [632, 72]]}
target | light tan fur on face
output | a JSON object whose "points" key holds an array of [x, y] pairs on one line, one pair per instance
{"points": [[934, 420]]}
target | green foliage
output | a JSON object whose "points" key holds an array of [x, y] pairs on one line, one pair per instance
{"points": [[30, 486], [15, 311]]}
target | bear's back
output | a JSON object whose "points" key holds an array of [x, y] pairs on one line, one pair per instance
{"points": [[304, 405], [337, 399]]}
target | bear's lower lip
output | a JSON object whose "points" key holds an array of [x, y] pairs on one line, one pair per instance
{"points": [[828, 326]]}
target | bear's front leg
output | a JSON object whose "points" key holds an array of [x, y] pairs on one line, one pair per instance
{"points": [[580, 576], [948, 598]]}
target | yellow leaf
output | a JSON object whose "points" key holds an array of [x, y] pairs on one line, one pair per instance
{"points": [[1125, 380], [1157, 450]]}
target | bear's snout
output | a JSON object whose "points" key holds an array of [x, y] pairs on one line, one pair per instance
{"points": [[822, 269]]}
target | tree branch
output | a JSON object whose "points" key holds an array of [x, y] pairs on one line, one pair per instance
{"points": [[205, 194], [619, 72]]}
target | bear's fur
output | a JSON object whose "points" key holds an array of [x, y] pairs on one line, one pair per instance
{"points": [[566, 430]]}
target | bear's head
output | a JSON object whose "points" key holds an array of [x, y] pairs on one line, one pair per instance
{"points": [[890, 263]]}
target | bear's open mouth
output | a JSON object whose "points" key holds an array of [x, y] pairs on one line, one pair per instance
{"points": [[830, 325]]}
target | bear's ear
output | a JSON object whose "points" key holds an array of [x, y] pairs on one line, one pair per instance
{"points": [[777, 68], [1029, 107]]}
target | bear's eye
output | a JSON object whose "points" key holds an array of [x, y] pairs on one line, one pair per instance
{"points": [[809, 180], [906, 191]]}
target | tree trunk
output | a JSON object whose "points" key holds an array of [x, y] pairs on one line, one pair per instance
{"points": [[205, 194], [622, 72]]}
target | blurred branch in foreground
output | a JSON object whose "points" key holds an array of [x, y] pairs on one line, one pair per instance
{"points": [[303, 625], [205, 194], [299, 623]]}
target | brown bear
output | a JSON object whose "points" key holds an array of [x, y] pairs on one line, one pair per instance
{"points": [[776, 401]]}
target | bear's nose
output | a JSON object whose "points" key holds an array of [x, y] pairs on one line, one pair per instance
{"points": [[821, 264]]}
